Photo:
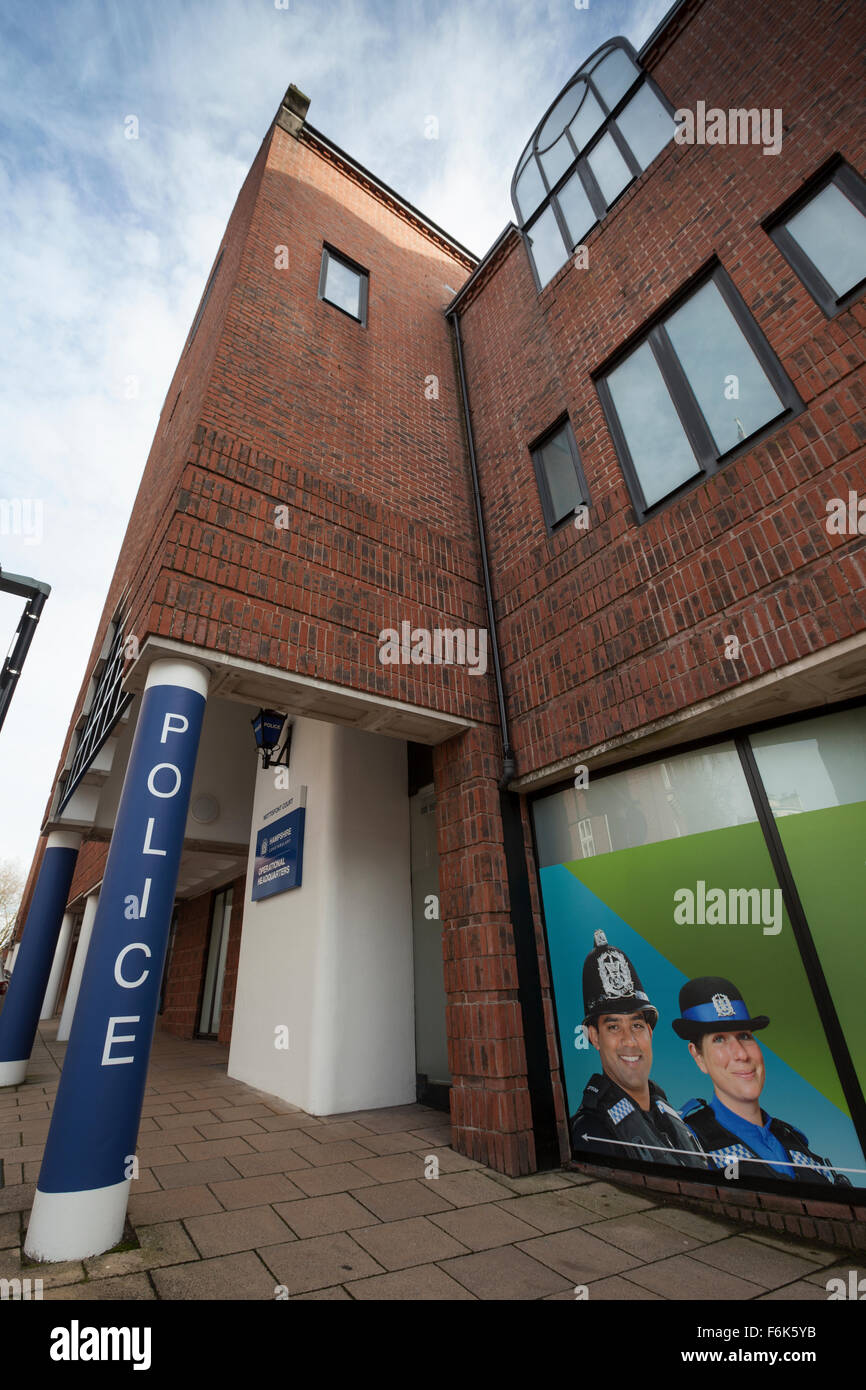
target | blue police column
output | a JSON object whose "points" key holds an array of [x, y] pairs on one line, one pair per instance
{"points": [[80, 1204], [20, 1017]]}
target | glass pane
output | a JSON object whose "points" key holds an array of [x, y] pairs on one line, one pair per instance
{"points": [[576, 208], [548, 249], [646, 125], [343, 287], [560, 115], [587, 121], [529, 189], [561, 477], [730, 384], [832, 232], [225, 927], [662, 455], [814, 774], [610, 169], [556, 160], [614, 75]]}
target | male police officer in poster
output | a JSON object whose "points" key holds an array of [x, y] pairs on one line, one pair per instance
{"points": [[623, 1114], [719, 1030]]}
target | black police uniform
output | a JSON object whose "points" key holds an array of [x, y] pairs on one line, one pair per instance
{"points": [[721, 1145], [607, 1112]]}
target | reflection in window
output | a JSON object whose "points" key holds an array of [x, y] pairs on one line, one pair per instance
{"points": [[825, 239], [609, 123], [560, 477], [702, 382], [344, 285]]}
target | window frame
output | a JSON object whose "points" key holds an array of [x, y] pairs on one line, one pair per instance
{"points": [[695, 427], [330, 253], [853, 186], [579, 164], [535, 449]]}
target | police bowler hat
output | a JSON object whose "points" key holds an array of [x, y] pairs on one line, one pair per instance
{"points": [[611, 984], [711, 1004]]}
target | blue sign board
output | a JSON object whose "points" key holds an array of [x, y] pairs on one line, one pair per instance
{"points": [[279, 855]]}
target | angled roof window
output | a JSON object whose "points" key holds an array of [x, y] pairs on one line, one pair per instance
{"points": [[603, 130]]}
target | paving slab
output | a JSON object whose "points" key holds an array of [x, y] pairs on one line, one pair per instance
{"points": [[10, 1229], [136, 1287], [318, 1262], [601, 1197], [638, 1235], [150, 1208], [338, 1177], [752, 1260], [504, 1273], [254, 1192], [692, 1223], [682, 1277], [534, 1182], [336, 1293], [469, 1189], [621, 1289], [395, 1200], [334, 1132], [804, 1249], [578, 1256], [424, 1283], [230, 1231], [548, 1211], [799, 1292], [185, 1174], [324, 1216], [483, 1227], [214, 1148], [293, 1120], [258, 1165], [415, 1241], [393, 1167], [189, 1119], [230, 1277], [227, 1129], [164, 1244]]}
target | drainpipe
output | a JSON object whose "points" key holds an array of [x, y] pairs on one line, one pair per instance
{"points": [[538, 1076]]}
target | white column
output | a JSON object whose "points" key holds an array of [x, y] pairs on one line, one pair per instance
{"points": [[57, 967], [77, 967]]}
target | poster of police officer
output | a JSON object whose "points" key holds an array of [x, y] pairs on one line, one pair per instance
{"points": [[691, 1031]]}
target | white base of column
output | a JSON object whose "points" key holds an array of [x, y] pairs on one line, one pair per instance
{"points": [[74, 1225], [13, 1073]]}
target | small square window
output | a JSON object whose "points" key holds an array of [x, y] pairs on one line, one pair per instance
{"points": [[343, 284], [822, 235], [561, 484]]}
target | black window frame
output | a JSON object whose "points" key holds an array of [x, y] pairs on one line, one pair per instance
{"points": [[697, 430], [535, 449], [330, 253], [579, 164], [853, 186]]}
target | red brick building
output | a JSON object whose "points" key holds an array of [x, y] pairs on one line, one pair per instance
{"points": [[607, 457]]}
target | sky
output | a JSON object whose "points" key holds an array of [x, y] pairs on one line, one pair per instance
{"points": [[107, 240]]}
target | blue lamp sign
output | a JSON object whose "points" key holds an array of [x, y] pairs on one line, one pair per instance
{"points": [[280, 852]]}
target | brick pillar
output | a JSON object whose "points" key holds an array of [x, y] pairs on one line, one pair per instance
{"points": [[490, 1106]]}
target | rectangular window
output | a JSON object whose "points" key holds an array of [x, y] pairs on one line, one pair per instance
{"points": [[561, 484], [701, 384], [822, 235], [343, 284]]}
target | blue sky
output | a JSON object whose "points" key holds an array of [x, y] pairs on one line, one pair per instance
{"points": [[107, 241]]}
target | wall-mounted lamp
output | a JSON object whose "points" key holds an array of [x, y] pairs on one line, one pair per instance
{"points": [[267, 727]]}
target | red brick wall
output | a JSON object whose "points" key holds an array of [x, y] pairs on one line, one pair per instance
{"points": [[606, 630]]}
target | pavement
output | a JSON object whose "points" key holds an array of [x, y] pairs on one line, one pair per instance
{"points": [[243, 1196]]}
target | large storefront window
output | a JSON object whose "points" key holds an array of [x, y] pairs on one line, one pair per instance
{"points": [[677, 973]]}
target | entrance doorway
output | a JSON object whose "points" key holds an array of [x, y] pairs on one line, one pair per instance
{"points": [[214, 976]]}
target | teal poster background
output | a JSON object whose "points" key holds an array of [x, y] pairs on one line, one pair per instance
{"points": [[629, 894]]}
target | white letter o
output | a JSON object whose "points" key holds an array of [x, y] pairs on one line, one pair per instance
{"points": [[154, 770]]}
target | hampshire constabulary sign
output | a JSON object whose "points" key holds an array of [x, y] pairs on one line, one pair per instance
{"points": [[280, 852]]}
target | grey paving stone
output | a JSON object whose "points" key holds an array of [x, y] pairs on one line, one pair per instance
{"points": [[424, 1283], [534, 1182], [148, 1208], [692, 1223], [230, 1277], [135, 1287], [19, 1197], [606, 1200], [336, 1293], [398, 1141], [320, 1155], [840, 1270], [183, 1174], [253, 1111], [257, 1165], [338, 1177], [10, 1229], [548, 1212], [504, 1273], [483, 1227], [230, 1231], [799, 1292], [292, 1120], [158, 1158], [802, 1248], [190, 1119], [621, 1290], [324, 1216], [682, 1277], [415, 1241], [578, 1256], [228, 1129], [752, 1260], [162, 1138], [452, 1162], [469, 1189], [393, 1167], [335, 1132], [254, 1192], [437, 1136], [318, 1262], [214, 1148], [163, 1244], [636, 1234], [396, 1200]]}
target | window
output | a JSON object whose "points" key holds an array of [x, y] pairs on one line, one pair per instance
{"points": [[343, 284], [822, 235], [603, 130], [106, 704], [561, 484], [700, 384]]}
